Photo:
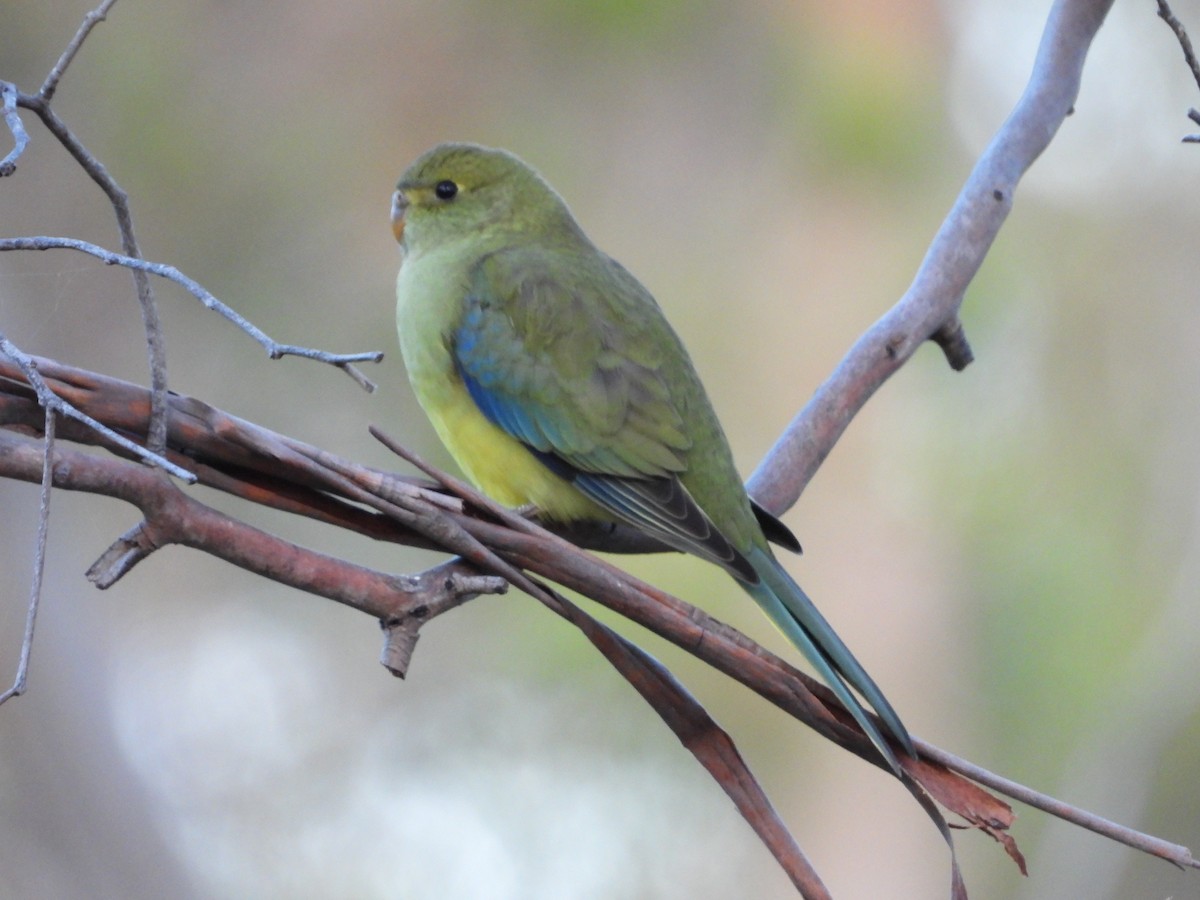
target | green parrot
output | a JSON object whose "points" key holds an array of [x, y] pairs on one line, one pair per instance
{"points": [[554, 379]]}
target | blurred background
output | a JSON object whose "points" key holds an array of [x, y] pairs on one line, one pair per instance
{"points": [[1013, 551]]}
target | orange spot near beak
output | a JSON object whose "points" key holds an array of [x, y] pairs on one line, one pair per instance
{"points": [[399, 205]]}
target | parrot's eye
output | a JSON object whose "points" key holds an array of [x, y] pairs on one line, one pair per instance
{"points": [[445, 190]]}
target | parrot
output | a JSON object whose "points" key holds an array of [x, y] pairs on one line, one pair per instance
{"points": [[554, 380]]}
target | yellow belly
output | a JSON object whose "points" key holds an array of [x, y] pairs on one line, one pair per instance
{"points": [[496, 462]]}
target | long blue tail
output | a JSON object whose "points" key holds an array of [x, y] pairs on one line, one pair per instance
{"points": [[796, 616]]}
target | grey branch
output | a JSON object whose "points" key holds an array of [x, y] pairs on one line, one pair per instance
{"points": [[930, 305], [1122, 834], [1189, 55], [39, 562], [90, 21], [9, 94], [274, 349], [155, 344]]}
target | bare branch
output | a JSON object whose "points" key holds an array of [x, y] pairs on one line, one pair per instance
{"points": [[226, 453], [932, 301], [172, 517], [122, 555], [1185, 43], [39, 561], [274, 349], [447, 585], [696, 730], [8, 103], [677, 708], [1146, 843], [155, 346], [1189, 55], [90, 21], [240, 450], [708, 742]]}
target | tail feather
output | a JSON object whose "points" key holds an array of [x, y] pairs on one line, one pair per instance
{"points": [[796, 616]]}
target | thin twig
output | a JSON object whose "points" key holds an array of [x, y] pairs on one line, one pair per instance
{"points": [[39, 561], [1165, 13], [9, 94], [1138, 840], [90, 21], [274, 349], [1189, 55], [155, 343]]}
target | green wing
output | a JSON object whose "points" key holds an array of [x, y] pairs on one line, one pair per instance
{"points": [[568, 355]]}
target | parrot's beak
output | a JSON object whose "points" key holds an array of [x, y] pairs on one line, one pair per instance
{"points": [[399, 205]]}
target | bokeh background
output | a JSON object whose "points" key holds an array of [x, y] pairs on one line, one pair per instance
{"points": [[1013, 551]]}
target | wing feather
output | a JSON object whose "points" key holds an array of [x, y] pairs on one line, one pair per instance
{"points": [[554, 365]]}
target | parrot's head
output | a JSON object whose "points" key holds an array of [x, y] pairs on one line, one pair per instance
{"points": [[458, 190]]}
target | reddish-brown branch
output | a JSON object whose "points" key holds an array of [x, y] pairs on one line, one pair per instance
{"points": [[236, 452], [173, 517], [229, 454]]}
